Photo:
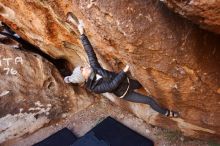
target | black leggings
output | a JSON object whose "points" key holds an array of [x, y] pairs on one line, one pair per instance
{"points": [[139, 98]]}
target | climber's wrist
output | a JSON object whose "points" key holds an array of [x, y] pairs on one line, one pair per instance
{"points": [[126, 69], [81, 31], [81, 27], [82, 36]]}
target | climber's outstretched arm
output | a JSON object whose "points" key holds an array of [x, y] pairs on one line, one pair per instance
{"points": [[93, 61]]}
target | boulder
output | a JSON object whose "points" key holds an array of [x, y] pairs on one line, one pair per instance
{"points": [[32, 93], [202, 12], [177, 63]]}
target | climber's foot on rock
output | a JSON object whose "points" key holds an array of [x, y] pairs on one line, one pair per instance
{"points": [[172, 114]]}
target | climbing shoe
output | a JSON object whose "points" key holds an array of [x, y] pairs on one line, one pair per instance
{"points": [[171, 114]]}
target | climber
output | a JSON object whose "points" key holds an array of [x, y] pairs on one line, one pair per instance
{"points": [[99, 80]]}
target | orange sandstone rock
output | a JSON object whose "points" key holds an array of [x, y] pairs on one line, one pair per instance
{"points": [[177, 62]]}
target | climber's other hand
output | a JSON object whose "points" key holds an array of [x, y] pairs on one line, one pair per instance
{"points": [[81, 27], [126, 68]]}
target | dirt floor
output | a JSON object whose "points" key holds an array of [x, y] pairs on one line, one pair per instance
{"points": [[86, 119]]}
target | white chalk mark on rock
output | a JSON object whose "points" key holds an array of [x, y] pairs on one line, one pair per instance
{"points": [[12, 126], [4, 93]]}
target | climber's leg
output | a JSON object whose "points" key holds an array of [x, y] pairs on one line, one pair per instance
{"points": [[139, 98]]}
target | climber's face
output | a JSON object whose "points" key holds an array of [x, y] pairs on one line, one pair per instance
{"points": [[86, 71]]}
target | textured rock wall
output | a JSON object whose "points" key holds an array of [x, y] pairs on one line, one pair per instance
{"points": [[203, 12], [176, 62], [32, 93]]}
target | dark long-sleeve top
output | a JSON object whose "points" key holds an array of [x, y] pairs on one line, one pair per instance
{"points": [[101, 80]]}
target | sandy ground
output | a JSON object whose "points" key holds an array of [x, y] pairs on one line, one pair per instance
{"points": [[83, 121]]}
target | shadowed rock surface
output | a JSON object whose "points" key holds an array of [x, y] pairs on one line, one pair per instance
{"points": [[176, 62], [206, 13]]}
